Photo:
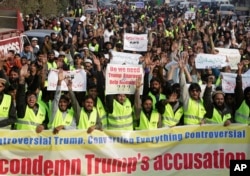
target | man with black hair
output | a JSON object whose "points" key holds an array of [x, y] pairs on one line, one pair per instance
{"points": [[62, 117], [145, 117], [31, 115], [171, 108], [194, 109]]}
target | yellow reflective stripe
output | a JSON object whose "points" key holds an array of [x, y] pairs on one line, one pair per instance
{"points": [[27, 123], [242, 115], [171, 119], [120, 117], [192, 117], [121, 126]]}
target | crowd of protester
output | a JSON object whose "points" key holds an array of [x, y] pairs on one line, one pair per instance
{"points": [[26, 104]]}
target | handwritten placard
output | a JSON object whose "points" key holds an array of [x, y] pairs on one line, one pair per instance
{"points": [[229, 82], [189, 15], [78, 78], [233, 56], [134, 42], [124, 58], [203, 61], [121, 79]]}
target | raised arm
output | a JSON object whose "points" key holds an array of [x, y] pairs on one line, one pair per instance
{"points": [[20, 95], [137, 100]]}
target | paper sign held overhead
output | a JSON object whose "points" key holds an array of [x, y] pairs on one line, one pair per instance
{"points": [[203, 61], [134, 42], [121, 79]]}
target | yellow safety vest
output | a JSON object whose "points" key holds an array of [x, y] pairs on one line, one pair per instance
{"points": [[102, 113], [121, 117], [59, 120], [195, 112], [171, 118], [51, 65], [31, 120], [217, 118], [47, 109], [4, 109], [85, 122], [96, 47], [55, 28], [169, 34], [162, 97], [145, 124], [242, 115]]}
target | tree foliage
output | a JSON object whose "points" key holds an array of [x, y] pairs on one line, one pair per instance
{"points": [[48, 8]]}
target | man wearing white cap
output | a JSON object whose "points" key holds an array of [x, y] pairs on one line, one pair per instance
{"points": [[34, 46], [217, 112], [57, 27]]}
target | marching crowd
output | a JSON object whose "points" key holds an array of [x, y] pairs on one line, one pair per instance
{"points": [[166, 101]]}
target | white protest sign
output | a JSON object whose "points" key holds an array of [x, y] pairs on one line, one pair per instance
{"points": [[83, 18], [124, 58], [139, 5], [203, 61], [121, 79], [247, 72], [78, 77], [229, 82], [233, 56], [189, 15], [134, 42]]}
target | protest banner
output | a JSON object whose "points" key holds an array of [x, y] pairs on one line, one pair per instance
{"points": [[124, 58], [139, 4], [135, 42], [203, 61], [120, 79], [78, 77], [189, 15], [186, 150], [229, 82], [233, 56]]}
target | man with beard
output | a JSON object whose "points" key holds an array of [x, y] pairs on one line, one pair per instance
{"points": [[87, 117], [155, 91], [14, 76], [31, 115], [147, 118], [194, 110], [171, 108], [242, 114], [119, 110], [108, 32], [217, 112]]}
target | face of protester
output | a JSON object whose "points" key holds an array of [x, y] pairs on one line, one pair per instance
{"points": [[195, 94], [88, 104], [51, 57], [121, 98], [219, 100], [93, 92], [27, 48], [88, 66], [155, 87], [13, 76], [31, 100], [63, 105], [33, 67], [147, 105]]}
